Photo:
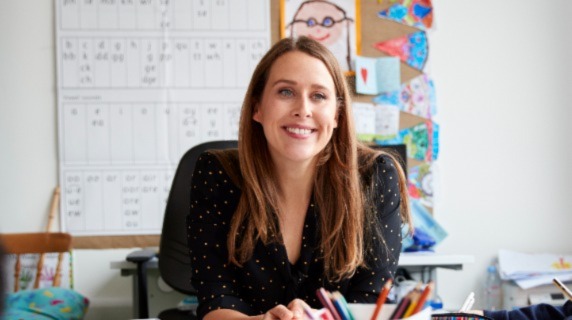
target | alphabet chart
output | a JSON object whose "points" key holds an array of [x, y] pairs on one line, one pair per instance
{"points": [[139, 83]]}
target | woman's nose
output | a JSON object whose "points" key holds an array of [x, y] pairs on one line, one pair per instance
{"points": [[302, 108]]}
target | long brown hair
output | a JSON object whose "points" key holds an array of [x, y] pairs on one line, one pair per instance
{"points": [[345, 209]]}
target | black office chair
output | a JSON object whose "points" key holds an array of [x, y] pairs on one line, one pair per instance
{"points": [[174, 260]]}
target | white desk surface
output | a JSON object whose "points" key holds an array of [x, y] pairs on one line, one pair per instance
{"points": [[432, 259], [407, 259]]}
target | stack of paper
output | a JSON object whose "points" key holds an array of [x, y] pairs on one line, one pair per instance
{"points": [[531, 270]]}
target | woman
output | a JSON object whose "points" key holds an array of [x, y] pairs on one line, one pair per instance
{"points": [[300, 205]]}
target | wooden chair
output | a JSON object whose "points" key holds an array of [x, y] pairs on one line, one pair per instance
{"points": [[40, 243]]}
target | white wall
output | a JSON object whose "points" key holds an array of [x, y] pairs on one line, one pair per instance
{"points": [[502, 79], [503, 75]]}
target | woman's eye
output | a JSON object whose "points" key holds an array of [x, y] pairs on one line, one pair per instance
{"points": [[319, 96], [285, 92]]}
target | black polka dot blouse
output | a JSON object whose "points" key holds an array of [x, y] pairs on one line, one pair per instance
{"points": [[268, 278]]}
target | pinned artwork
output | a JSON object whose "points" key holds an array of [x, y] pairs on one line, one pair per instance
{"points": [[411, 49], [422, 141], [418, 13], [416, 97], [377, 75], [364, 118], [375, 121], [28, 271], [420, 183], [331, 22], [425, 223]]}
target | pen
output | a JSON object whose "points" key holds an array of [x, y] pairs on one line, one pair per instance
{"points": [[424, 295], [470, 305], [467, 301], [562, 288], [381, 299]]}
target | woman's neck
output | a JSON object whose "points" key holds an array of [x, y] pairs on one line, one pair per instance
{"points": [[296, 182]]}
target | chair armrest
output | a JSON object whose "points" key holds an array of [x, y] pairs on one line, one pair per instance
{"points": [[141, 258], [141, 255]]}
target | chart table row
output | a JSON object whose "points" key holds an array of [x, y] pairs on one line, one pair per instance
{"points": [[88, 62], [142, 133], [115, 200], [187, 15]]}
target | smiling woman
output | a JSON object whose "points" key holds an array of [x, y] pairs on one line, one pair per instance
{"points": [[301, 205], [298, 109]]}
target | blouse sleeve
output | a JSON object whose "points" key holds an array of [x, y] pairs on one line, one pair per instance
{"points": [[213, 201], [366, 284]]}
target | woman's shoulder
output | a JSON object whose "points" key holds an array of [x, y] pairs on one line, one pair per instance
{"points": [[220, 163], [218, 157], [372, 160]]}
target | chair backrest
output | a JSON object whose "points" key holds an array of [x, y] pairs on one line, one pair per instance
{"points": [[40, 243], [174, 260], [399, 151]]}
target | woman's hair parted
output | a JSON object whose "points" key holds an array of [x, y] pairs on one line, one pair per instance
{"points": [[345, 230]]}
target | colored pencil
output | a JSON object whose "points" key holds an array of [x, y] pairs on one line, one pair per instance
{"points": [[324, 298], [309, 313], [381, 299], [414, 298], [562, 288], [400, 308], [338, 301], [424, 295]]}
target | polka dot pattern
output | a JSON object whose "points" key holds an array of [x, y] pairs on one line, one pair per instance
{"points": [[268, 278]]}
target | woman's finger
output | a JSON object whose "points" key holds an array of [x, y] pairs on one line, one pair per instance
{"points": [[279, 312], [297, 307]]}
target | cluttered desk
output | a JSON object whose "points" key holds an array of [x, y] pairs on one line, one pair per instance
{"points": [[160, 295]]}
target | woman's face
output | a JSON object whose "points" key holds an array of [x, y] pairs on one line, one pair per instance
{"points": [[298, 108], [318, 13]]}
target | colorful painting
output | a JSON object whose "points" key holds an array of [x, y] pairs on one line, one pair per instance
{"points": [[416, 97], [420, 183], [422, 141], [332, 23], [418, 13], [411, 49]]}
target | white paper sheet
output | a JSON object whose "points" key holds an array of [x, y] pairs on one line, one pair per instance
{"points": [[139, 83], [530, 270]]}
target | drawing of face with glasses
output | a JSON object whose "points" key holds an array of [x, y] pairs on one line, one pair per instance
{"points": [[327, 23]]}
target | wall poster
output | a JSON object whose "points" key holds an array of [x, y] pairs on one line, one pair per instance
{"points": [[139, 82]]}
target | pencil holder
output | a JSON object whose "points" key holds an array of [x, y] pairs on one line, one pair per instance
{"points": [[362, 311], [458, 316]]}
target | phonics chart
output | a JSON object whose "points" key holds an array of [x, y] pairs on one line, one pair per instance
{"points": [[139, 83]]}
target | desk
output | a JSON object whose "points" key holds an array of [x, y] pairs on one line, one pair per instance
{"points": [[426, 263], [413, 260], [162, 297]]}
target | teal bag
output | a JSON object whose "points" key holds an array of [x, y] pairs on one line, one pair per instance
{"points": [[46, 303]]}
